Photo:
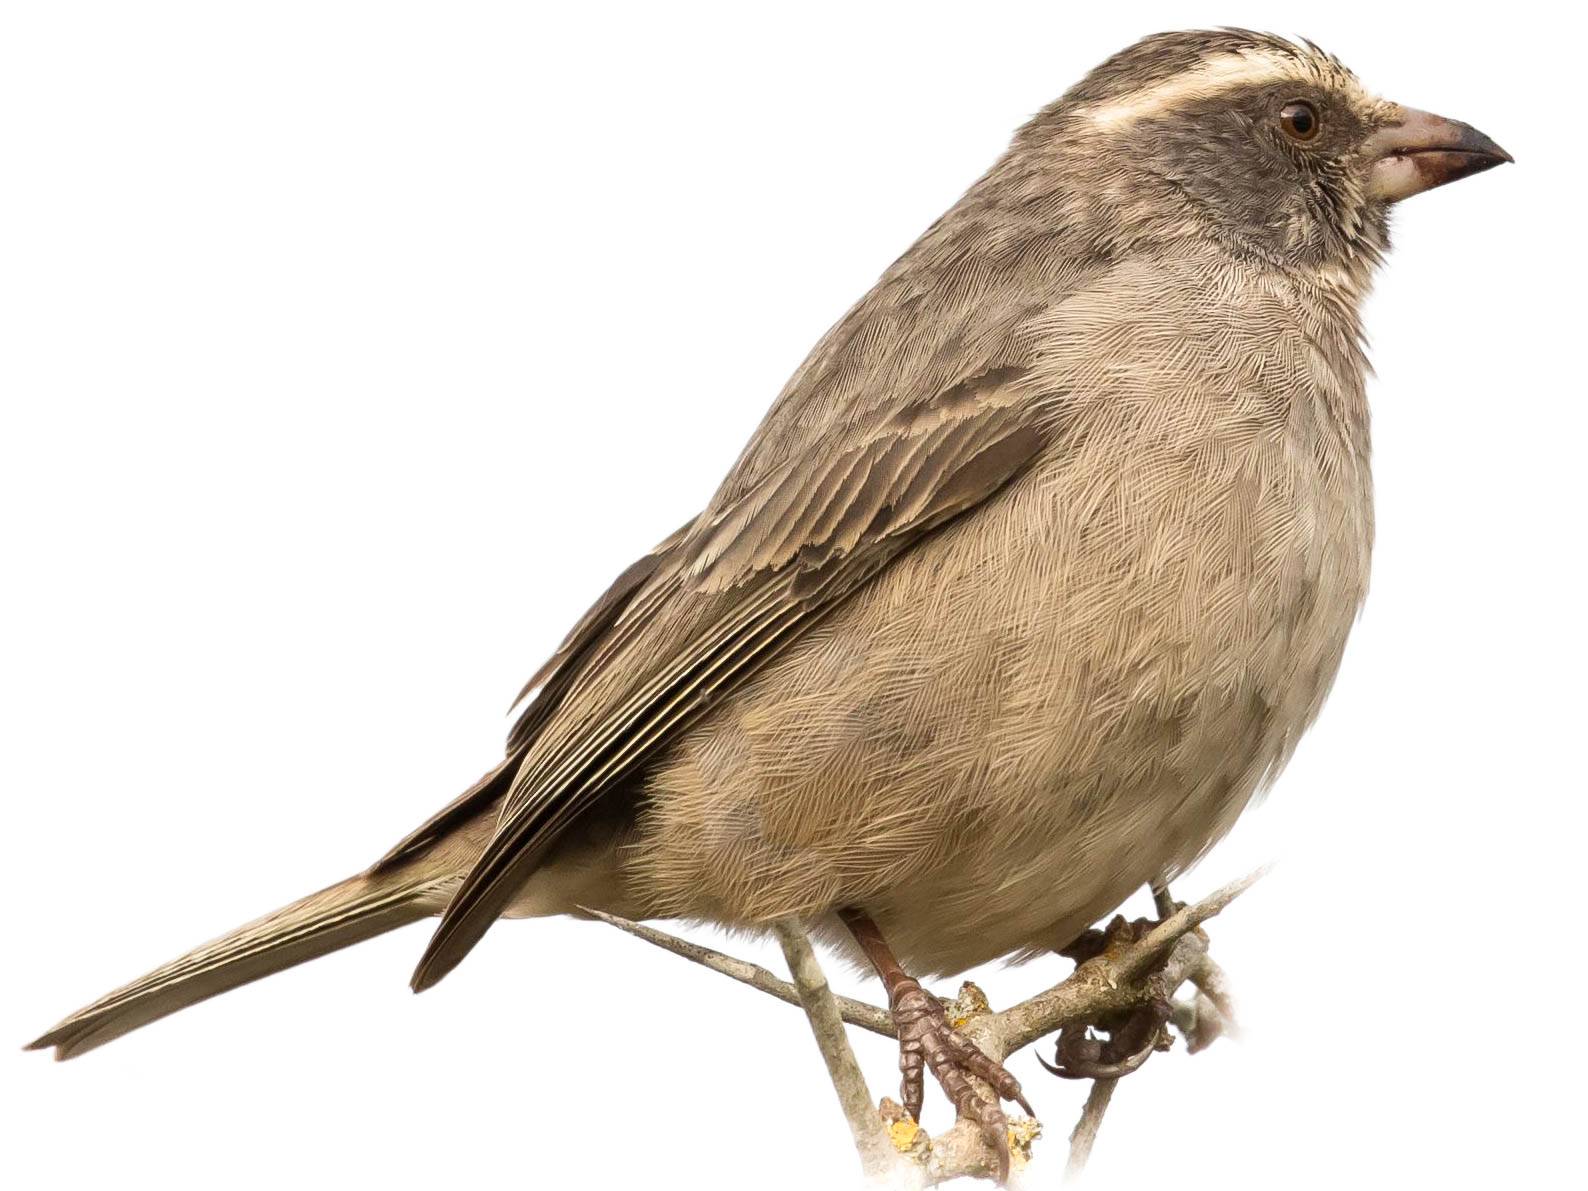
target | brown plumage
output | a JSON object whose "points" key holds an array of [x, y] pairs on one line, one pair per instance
{"points": [[1031, 578]]}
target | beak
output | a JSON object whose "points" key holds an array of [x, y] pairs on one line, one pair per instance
{"points": [[1421, 151]]}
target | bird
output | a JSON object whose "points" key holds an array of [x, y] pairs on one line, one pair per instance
{"points": [[1028, 583]]}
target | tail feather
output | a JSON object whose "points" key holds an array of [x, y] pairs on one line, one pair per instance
{"points": [[343, 914]]}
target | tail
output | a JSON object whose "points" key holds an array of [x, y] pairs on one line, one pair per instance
{"points": [[349, 912]]}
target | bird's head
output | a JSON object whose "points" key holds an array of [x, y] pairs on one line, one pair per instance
{"points": [[1270, 146]]}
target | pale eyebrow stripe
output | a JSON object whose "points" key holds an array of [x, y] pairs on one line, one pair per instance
{"points": [[1222, 73]]}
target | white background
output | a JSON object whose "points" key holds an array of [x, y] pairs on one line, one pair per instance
{"points": [[349, 350]]}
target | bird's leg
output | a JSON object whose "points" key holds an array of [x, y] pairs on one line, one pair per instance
{"points": [[1162, 900], [926, 1039]]}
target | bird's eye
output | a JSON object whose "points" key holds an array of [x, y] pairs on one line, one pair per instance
{"points": [[1299, 119]]}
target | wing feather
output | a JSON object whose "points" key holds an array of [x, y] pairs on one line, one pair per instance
{"points": [[735, 590]]}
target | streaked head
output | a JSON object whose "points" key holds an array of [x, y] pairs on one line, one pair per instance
{"points": [[1271, 145]]}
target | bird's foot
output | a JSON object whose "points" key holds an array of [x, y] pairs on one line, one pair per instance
{"points": [[1132, 1036], [1131, 1041], [928, 1040]]}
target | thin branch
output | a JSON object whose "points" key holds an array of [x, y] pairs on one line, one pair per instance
{"points": [[1124, 976], [877, 1156], [1095, 989], [1084, 1134], [1099, 986], [1199, 1021], [1212, 1013], [856, 1013], [1215, 985], [1141, 954]]}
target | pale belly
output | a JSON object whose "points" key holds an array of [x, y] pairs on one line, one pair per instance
{"points": [[1070, 693]]}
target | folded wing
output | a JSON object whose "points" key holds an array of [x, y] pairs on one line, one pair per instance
{"points": [[731, 592]]}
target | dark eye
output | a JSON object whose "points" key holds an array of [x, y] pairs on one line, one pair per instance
{"points": [[1299, 119]]}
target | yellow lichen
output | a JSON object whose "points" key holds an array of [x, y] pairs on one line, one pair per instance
{"points": [[903, 1133], [1022, 1133], [971, 1002]]}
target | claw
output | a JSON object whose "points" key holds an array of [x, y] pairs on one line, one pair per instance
{"points": [[1131, 1043], [927, 1040], [1005, 1084]]}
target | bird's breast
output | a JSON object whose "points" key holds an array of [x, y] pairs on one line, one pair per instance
{"points": [[1207, 500]]}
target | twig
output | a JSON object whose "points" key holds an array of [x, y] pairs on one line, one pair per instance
{"points": [[1199, 1022], [1085, 1132], [1096, 988], [1215, 985], [1157, 941], [1122, 978], [856, 1013], [1212, 1013], [877, 1156]]}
